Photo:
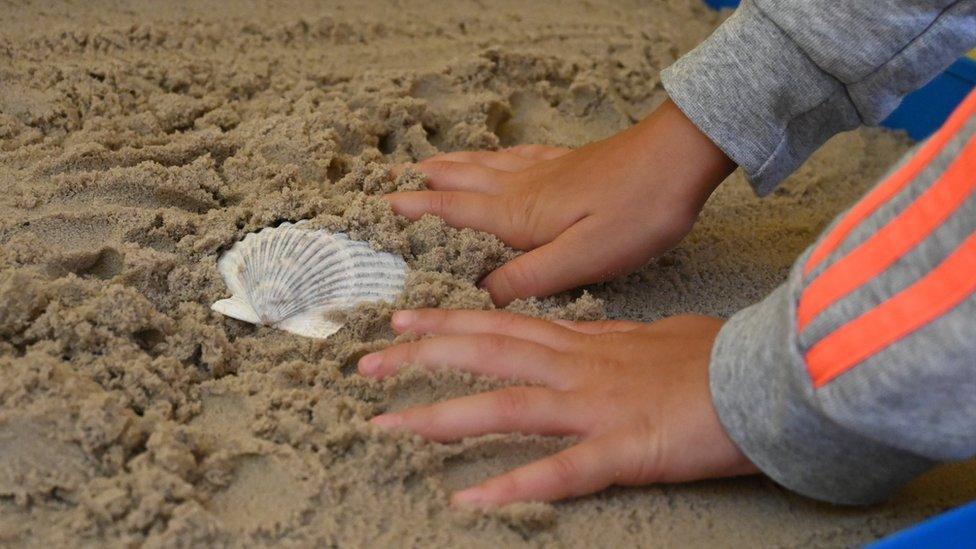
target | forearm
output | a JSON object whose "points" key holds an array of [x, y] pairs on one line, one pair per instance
{"points": [[780, 77]]}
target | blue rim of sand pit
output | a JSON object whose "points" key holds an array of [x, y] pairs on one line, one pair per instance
{"points": [[924, 110], [956, 528], [921, 113]]}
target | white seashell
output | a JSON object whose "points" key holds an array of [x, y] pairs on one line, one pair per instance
{"points": [[291, 278]]}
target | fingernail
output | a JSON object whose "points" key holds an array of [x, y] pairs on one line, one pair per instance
{"points": [[402, 319], [370, 363], [386, 421], [471, 496]]}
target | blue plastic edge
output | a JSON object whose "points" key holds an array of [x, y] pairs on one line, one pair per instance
{"points": [[921, 113], [924, 110], [956, 528]]}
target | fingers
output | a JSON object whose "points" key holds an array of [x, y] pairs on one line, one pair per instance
{"points": [[575, 257], [587, 467], [460, 176], [458, 209], [448, 322], [527, 410], [538, 152], [600, 326], [496, 160], [491, 355]]}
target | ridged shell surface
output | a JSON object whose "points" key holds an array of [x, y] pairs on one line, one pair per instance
{"points": [[290, 277]]}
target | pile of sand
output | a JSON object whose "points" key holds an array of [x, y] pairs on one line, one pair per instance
{"points": [[139, 141]]}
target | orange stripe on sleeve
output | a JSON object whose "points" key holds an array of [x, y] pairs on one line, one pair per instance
{"points": [[927, 299], [901, 234], [893, 184]]}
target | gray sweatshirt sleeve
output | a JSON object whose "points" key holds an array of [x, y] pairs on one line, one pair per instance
{"points": [[859, 372], [780, 77]]}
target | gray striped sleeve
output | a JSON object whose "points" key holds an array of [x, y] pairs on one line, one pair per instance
{"points": [[906, 405]]}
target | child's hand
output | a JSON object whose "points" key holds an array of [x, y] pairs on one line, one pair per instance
{"points": [[636, 394], [586, 215]]}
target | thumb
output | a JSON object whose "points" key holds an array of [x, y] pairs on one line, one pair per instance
{"points": [[580, 255]]}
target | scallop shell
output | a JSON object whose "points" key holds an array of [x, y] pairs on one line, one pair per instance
{"points": [[291, 278]]}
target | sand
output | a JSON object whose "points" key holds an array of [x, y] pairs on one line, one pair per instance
{"points": [[140, 139]]}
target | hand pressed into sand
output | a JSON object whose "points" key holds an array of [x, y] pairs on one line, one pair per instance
{"points": [[637, 396], [583, 215]]}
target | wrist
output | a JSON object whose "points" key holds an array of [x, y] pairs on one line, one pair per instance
{"points": [[669, 168], [681, 157]]}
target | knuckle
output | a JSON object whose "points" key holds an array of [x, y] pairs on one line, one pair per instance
{"points": [[438, 167], [506, 486], [523, 211], [433, 319], [493, 345], [429, 169], [564, 469], [410, 415], [499, 322], [424, 164], [643, 429], [511, 157], [512, 404], [609, 339], [418, 416], [439, 173], [440, 203], [591, 368], [410, 353], [521, 278], [644, 463]]}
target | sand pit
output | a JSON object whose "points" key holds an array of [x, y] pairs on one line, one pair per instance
{"points": [[139, 140]]}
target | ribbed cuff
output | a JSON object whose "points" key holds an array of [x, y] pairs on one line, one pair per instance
{"points": [[758, 97], [767, 405]]}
